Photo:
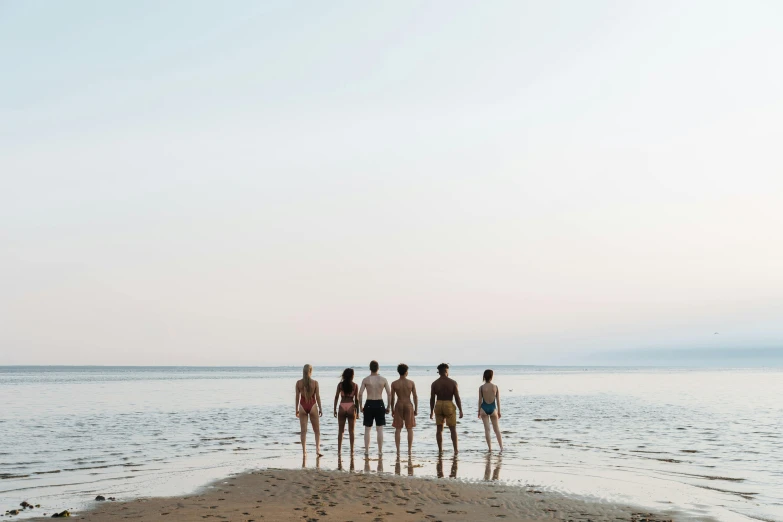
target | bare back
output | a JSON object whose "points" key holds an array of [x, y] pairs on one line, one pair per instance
{"points": [[488, 392], [374, 386], [444, 388], [403, 388]]}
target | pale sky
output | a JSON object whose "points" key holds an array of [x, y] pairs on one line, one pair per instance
{"points": [[265, 183]]}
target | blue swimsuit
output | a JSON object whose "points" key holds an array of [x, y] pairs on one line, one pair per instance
{"points": [[489, 409]]}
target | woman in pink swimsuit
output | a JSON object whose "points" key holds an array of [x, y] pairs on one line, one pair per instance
{"points": [[349, 407], [307, 397]]}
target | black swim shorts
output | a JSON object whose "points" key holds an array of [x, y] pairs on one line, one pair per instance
{"points": [[374, 411]]}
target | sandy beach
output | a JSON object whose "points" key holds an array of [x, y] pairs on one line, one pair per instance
{"points": [[312, 495]]}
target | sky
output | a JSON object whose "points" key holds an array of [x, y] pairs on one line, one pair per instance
{"points": [[263, 183]]}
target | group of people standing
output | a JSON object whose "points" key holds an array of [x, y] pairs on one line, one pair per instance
{"points": [[403, 405]]}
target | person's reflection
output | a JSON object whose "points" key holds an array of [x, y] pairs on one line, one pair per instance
{"points": [[439, 468], [488, 469], [353, 466], [367, 469], [340, 463], [397, 467], [304, 461], [318, 462], [410, 467]]}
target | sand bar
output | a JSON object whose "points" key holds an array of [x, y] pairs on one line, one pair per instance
{"points": [[322, 496]]}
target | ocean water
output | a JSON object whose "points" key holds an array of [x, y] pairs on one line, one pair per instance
{"points": [[705, 444]]}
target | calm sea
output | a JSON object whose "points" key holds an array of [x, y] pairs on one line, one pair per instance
{"points": [[706, 443]]}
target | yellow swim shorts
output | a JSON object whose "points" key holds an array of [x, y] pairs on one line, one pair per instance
{"points": [[446, 411]]}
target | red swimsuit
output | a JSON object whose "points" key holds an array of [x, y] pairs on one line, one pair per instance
{"points": [[307, 404]]}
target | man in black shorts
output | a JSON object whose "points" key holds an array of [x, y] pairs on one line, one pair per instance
{"points": [[374, 410]]}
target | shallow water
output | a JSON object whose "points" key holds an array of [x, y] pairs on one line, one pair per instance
{"points": [[705, 443]]}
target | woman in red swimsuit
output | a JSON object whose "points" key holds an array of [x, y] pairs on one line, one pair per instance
{"points": [[307, 397], [349, 407]]}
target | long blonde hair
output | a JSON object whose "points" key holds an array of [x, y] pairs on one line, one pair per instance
{"points": [[307, 382]]}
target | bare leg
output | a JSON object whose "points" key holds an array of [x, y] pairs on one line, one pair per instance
{"points": [[316, 422], [341, 417], [453, 430], [379, 436], [485, 420], [496, 427], [303, 425], [410, 441], [367, 430], [351, 427], [439, 438], [397, 439]]}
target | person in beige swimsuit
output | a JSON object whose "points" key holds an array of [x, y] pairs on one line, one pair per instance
{"points": [[404, 412]]}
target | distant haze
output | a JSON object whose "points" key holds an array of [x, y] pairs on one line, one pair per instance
{"points": [[261, 183]]}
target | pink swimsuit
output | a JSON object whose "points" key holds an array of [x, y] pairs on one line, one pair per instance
{"points": [[348, 406]]}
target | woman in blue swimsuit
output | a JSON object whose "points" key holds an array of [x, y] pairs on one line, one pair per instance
{"points": [[489, 408]]}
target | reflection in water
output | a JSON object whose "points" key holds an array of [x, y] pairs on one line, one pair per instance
{"points": [[340, 464], [439, 467], [367, 469], [398, 466], [572, 423], [488, 470]]}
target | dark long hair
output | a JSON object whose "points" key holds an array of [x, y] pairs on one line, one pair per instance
{"points": [[347, 381], [488, 374]]}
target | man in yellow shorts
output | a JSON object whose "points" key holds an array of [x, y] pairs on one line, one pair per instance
{"points": [[445, 391]]}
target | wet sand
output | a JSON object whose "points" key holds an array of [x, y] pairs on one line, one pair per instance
{"points": [[312, 495]]}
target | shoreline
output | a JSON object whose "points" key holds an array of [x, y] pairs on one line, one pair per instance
{"points": [[320, 496]]}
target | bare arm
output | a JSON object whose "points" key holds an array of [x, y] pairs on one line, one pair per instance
{"points": [[432, 399], [361, 393], [336, 398], [296, 404], [388, 394], [415, 400], [318, 399], [479, 403], [497, 399], [391, 402], [457, 399]]}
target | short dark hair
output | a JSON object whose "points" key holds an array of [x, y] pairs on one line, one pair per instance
{"points": [[373, 366], [402, 369], [442, 367], [488, 374]]}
